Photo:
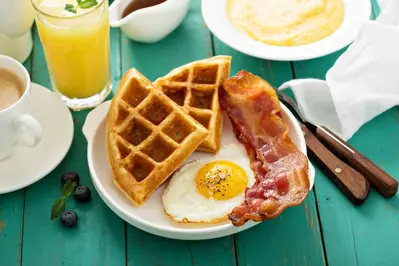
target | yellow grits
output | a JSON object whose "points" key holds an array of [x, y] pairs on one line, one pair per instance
{"points": [[286, 22]]}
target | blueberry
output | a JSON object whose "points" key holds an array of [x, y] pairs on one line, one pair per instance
{"points": [[71, 175], [82, 194], [69, 218]]}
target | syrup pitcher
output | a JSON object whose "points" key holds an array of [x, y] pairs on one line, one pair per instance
{"points": [[147, 21], [16, 19]]}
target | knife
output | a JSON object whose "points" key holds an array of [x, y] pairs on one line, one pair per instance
{"points": [[352, 183], [383, 182]]}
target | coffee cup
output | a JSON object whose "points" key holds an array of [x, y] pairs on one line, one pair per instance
{"points": [[17, 126]]}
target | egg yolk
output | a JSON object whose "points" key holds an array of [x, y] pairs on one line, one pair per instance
{"points": [[221, 180]]}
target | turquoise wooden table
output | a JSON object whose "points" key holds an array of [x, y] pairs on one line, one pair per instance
{"points": [[325, 230]]}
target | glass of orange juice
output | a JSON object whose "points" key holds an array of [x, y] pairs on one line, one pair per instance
{"points": [[76, 43]]}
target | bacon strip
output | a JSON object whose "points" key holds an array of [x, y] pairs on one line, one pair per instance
{"points": [[281, 170]]}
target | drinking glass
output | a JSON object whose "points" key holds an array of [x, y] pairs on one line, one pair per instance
{"points": [[77, 51]]}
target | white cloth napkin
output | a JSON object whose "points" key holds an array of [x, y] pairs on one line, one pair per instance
{"points": [[364, 81]]}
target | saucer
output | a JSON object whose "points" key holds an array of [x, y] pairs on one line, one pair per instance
{"points": [[215, 17], [28, 165]]}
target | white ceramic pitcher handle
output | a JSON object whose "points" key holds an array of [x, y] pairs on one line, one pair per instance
{"points": [[28, 129]]}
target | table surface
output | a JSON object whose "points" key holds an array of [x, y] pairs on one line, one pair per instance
{"points": [[325, 230]]}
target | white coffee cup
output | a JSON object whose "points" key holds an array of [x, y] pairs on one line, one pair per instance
{"points": [[16, 125]]}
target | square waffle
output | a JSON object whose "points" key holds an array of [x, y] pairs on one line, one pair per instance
{"points": [[148, 136], [195, 88]]}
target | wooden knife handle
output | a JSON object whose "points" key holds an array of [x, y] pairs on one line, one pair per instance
{"points": [[383, 182], [354, 185]]}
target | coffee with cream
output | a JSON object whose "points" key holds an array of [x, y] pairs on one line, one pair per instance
{"points": [[11, 88]]}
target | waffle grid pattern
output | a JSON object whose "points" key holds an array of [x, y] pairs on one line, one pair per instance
{"points": [[195, 88], [150, 136]]}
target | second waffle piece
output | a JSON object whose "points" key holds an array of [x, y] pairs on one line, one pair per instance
{"points": [[195, 87], [148, 137]]}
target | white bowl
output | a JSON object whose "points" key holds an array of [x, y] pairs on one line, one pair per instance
{"points": [[150, 217], [215, 16]]}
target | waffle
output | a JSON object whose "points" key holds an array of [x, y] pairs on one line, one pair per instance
{"points": [[195, 88], [148, 136]]}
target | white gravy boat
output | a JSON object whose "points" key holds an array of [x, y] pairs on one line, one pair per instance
{"points": [[149, 24]]}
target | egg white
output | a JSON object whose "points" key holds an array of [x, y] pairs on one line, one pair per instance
{"points": [[182, 201]]}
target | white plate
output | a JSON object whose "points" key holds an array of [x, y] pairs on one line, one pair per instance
{"points": [[28, 165], [150, 217], [215, 16]]}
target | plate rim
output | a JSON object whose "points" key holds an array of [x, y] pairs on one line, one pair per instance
{"points": [[174, 233]]}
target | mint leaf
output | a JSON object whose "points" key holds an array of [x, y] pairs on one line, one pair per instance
{"points": [[68, 188], [70, 8], [84, 4], [87, 3], [59, 205], [57, 208]]}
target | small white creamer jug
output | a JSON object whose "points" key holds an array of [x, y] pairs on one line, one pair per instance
{"points": [[150, 24]]}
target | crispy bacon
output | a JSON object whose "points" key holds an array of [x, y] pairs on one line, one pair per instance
{"points": [[281, 170]]}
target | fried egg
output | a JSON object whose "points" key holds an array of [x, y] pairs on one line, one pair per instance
{"points": [[207, 190]]}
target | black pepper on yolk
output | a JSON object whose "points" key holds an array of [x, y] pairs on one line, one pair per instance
{"points": [[221, 180]]}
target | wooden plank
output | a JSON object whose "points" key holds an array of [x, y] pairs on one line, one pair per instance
{"points": [[148, 250], [294, 237], [334, 208], [11, 220], [99, 237], [376, 7], [365, 235], [191, 41]]}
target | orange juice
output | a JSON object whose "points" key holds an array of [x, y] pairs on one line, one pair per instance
{"points": [[76, 47]]}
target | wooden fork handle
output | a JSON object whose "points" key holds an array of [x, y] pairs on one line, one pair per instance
{"points": [[352, 183], [383, 182]]}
